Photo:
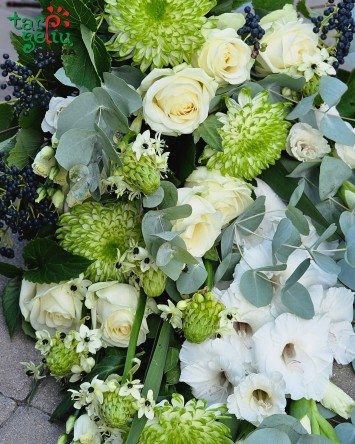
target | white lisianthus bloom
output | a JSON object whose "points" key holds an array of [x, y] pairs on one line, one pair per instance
{"points": [[224, 56], [86, 431], [279, 17], [336, 303], [338, 401], [287, 39], [213, 367], [228, 195], [44, 161], [113, 308], [345, 152], [257, 397], [56, 106], [306, 143], [299, 350], [53, 307], [203, 226], [176, 101]]}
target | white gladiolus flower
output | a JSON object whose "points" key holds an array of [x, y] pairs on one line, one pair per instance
{"points": [[299, 350], [86, 431], [213, 367], [306, 143], [257, 397]]}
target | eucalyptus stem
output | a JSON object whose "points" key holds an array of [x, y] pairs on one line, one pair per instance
{"points": [[209, 269], [131, 351]]}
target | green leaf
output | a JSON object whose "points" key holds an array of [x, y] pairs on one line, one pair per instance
{"points": [[164, 254], [108, 365], [313, 439], [298, 300], [298, 273], [346, 107], [226, 6], [78, 66], [334, 128], [227, 240], [10, 303], [49, 263], [10, 271], [172, 359], [346, 275], [326, 263], [179, 212], [252, 217], [324, 236], [298, 219], [208, 131], [285, 423], [345, 433], [333, 173], [124, 97], [80, 113], [96, 49], [256, 288], [226, 268], [350, 247], [34, 119], [284, 238], [282, 80], [346, 221], [331, 90], [63, 409], [297, 193], [28, 329], [303, 9], [23, 57], [191, 280], [267, 436], [131, 75], [107, 146], [79, 13], [7, 144], [302, 108], [303, 168], [109, 111], [155, 199], [170, 194], [28, 142], [75, 147], [6, 116]]}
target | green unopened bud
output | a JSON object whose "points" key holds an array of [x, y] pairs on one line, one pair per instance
{"points": [[63, 439], [69, 425], [117, 411], [60, 359], [312, 87], [47, 152], [141, 175], [61, 176], [42, 194], [153, 282], [53, 172], [136, 125], [201, 317], [338, 401], [58, 198], [347, 194]]}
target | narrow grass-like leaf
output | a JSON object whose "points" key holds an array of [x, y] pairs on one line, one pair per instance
{"points": [[10, 304]]}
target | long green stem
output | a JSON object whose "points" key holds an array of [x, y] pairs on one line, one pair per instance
{"points": [[209, 269], [131, 351]]}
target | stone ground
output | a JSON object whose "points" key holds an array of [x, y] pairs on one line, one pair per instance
{"points": [[28, 423]]}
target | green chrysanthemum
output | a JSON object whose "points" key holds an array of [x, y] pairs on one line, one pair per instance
{"points": [[61, 359], [253, 135], [141, 175], [117, 411], [200, 316], [100, 233], [186, 424], [157, 32]]}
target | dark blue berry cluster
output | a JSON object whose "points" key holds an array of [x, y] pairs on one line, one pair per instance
{"points": [[19, 211], [28, 91], [337, 18], [251, 32]]}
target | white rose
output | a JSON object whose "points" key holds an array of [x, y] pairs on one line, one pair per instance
{"points": [[204, 224], [53, 307], [44, 161], [228, 195], [176, 100], [306, 143], [114, 311], [345, 152], [56, 105], [286, 45], [279, 17], [225, 57]]}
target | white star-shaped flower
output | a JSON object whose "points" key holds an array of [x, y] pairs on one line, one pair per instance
{"points": [[146, 406], [131, 388]]}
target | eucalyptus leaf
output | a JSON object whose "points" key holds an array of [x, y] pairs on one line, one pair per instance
{"points": [[298, 301], [302, 108], [256, 288], [267, 436], [192, 279], [282, 80], [111, 114], [252, 217], [107, 146], [153, 223], [76, 146], [286, 423], [297, 193], [10, 303], [346, 275], [298, 219], [326, 263], [131, 75], [170, 288], [182, 255], [170, 194], [226, 268], [164, 255], [297, 274], [334, 128], [155, 199], [168, 235], [313, 439], [285, 237], [324, 236], [333, 173], [125, 98], [173, 269], [63, 78], [350, 247], [227, 240], [208, 131], [345, 433], [179, 212], [346, 221], [331, 89]]}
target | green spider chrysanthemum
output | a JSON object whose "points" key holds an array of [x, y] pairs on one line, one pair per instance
{"points": [[60, 358], [186, 424], [157, 32], [117, 411], [100, 233], [253, 135]]}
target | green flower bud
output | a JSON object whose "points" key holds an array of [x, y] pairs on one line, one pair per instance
{"points": [[311, 87], [42, 194], [60, 359], [58, 198], [200, 316], [69, 425], [338, 401], [117, 411], [347, 194], [153, 282], [188, 424], [47, 152], [141, 175], [63, 439]]}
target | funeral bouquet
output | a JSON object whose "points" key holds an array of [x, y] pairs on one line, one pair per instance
{"points": [[182, 174]]}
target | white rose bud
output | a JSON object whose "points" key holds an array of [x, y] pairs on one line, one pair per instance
{"points": [[43, 162], [306, 143], [47, 152], [56, 106], [203, 226], [176, 101], [225, 57], [58, 198], [228, 195], [279, 17]]}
